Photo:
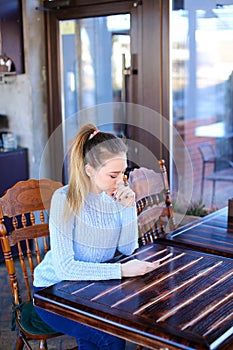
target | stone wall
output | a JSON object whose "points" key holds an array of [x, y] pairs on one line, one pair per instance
{"points": [[24, 99]]}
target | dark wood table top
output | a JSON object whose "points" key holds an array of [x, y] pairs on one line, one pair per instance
{"points": [[211, 234], [186, 303]]}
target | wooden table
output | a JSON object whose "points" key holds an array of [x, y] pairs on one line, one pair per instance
{"points": [[211, 234], [186, 303]]}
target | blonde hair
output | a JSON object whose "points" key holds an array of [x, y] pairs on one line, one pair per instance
{"points": [[93, 147]]}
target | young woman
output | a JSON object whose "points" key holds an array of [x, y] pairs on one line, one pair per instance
{"points": [[90, 219]]}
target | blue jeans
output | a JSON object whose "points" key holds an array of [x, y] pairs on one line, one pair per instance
{"points": [[87, 338]]}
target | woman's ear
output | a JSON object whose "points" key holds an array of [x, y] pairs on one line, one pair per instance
{"points": [[89, 170]]}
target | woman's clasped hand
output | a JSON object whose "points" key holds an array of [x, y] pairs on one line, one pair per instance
{"points": [[124, 195]]}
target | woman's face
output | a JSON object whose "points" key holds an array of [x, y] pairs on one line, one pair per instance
{"points": [[109, 176]]}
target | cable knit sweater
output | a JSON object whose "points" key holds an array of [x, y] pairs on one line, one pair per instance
{"points": [[81, 246]]}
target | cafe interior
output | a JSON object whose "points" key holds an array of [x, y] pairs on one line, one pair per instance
{"points": [[159, 74]]}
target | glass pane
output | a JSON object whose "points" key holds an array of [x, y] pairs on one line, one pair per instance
{"points": [[92, 51], [89, 68], [202, 91]]}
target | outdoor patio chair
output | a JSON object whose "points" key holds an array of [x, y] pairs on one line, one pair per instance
{"points": [[210, 156]]}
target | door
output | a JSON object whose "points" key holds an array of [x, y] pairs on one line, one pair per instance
{"points": [[95, 59], [100, 70]]}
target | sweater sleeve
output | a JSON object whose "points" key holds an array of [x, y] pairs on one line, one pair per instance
{"points": [[65, 266], [128, 241]]}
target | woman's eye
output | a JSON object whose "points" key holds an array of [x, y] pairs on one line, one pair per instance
{"points": [[113, 177]]}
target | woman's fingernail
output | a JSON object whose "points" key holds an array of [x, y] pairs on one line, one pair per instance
{"points": [[114, 199], [112, 194]]}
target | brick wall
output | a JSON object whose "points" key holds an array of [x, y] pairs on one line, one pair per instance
{"points": [[186, 129]]}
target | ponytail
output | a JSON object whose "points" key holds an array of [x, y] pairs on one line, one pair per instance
{"points": [[93, 147]]}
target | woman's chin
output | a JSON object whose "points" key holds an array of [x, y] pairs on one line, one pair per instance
{"points": [[109, 192]]}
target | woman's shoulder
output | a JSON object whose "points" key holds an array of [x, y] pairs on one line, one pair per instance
{"points": [[59, 197], [61, 191]]}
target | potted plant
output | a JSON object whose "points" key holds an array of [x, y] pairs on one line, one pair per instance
{"points": [[195, 210]]}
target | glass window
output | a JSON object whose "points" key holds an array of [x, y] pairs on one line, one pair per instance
{"points": [[94, 54], [202, 92], [92, 71]]}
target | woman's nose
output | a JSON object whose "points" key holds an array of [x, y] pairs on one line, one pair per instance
{"points": [[119, 180]]}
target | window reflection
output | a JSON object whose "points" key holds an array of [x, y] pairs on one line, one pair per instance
{"points": [[91, 71], [202, 87], [92, 51]]}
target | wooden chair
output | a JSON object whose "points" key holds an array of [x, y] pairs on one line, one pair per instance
{"points": [[25, 205], [153, 200]]}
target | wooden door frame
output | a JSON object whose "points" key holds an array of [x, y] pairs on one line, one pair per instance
{"points": [[157, 99], [82, 9], [151, 86]]}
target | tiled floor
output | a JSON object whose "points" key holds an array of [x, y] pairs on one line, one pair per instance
{"points": [[8, 337]]}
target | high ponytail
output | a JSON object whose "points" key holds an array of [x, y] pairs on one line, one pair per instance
{"points": [[93, 147], [79, 182]]}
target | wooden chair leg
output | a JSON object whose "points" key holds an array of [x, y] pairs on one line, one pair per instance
{"points": [[42, 345], [20, 343]]}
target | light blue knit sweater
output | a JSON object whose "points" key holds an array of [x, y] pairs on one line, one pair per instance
{"points": [[81, 246]]}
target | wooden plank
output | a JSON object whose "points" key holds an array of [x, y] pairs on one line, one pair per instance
{"points": [[186, 303], [211, 234]]}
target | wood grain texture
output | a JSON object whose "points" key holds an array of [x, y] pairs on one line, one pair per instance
{"points": [[186, 303], [211, 234]]}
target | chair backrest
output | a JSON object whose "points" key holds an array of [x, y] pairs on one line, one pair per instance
{"points": [[208, 152], [25, 207], [153, 200]]}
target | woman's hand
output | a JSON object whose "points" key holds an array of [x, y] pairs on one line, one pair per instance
{"points": [[137, 268], [124, 195]]}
